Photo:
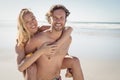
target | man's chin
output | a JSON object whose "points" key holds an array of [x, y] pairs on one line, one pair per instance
{"points": [[60, 29]]}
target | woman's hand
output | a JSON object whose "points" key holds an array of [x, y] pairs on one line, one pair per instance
{"points": [[43, 28], [49, 49]]}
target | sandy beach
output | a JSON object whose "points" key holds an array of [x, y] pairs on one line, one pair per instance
{"points": [[93, 69]]}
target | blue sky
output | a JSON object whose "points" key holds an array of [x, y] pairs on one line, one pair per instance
{"points": [[81, 10]]}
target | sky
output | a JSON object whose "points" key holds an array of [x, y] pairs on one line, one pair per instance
{"points": [[81, 10]]}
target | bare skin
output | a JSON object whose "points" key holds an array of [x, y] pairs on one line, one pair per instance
{"points": [[41, 56], [54, 62], [31, 67], [73, 64]]}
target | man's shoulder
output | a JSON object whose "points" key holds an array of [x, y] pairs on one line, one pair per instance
{"points": [[68, 28]]}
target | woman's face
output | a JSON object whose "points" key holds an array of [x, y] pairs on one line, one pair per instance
{"points": [[30, 23]]}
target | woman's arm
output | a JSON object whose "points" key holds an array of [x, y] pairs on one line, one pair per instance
{"points": [[23, 61], [20, 53], [66, 35], [43, 28]]}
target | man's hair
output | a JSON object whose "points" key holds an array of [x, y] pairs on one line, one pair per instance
{"points": [[56, 7]]}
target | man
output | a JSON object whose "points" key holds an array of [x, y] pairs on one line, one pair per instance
{"points": [[49, 65]]}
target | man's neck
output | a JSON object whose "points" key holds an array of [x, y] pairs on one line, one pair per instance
{"points": [[56, 34]]}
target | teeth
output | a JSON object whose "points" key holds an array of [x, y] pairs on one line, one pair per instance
{"points": [[33, 26], [58, 24]]}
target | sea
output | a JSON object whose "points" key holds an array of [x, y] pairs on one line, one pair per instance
{"points": [[89, 39], [96, 44]]}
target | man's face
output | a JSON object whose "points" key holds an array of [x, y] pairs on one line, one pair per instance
{"points": [[58, 19]]}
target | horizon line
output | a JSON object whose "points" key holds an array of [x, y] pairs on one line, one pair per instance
{"points": [[103, 22]]}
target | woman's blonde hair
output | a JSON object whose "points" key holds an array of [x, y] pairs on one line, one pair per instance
{"points": [[23, 33]]}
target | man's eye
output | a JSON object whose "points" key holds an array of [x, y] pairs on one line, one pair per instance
{"points": [[33, 19], [62, 18]]}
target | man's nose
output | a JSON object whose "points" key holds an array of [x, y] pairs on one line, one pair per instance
{"points": [[58, 20]]}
